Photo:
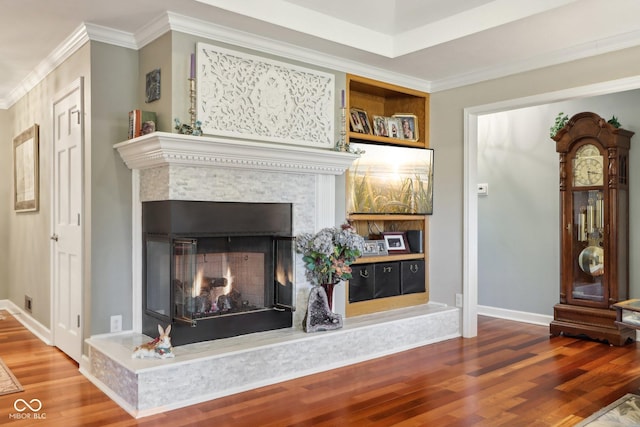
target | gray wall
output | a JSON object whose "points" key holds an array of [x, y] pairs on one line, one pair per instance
{"points": [[28, 267], [6, 195], [518, 222], [447, 138], [113, 94]]}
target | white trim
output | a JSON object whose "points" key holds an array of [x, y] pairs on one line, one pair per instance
{"points": [[162, 148], [470, 218], [111, 36], [67, 48], [573, 53], [136, 248], [36, 328], [325, 201], [515, 315]]}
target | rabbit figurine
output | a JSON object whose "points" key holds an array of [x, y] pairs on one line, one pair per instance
{"points": [[159, 348]]}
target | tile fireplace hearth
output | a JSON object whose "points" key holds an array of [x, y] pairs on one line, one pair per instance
{"points": [[146, 387]]}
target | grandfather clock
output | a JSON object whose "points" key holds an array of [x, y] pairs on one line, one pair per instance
{"points": [[594, 229]]}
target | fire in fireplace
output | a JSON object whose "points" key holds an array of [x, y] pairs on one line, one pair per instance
{"points": [[217, 269]]}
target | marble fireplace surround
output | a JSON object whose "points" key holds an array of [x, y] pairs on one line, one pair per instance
{"points": [[169, 166]]}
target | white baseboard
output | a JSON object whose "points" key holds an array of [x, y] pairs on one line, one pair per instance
{"points": [[35, 327], [518, 316]]}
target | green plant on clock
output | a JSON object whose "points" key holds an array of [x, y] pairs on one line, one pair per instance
{"points": [[560, 122]]}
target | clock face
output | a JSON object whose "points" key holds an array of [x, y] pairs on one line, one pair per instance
{"points": [[588, 167]]}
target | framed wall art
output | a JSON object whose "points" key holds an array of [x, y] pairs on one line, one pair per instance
{"points": [[152, 86], [26, 191]]}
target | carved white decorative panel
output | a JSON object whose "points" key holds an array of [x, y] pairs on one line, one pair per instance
{"points": [[247, 96]]}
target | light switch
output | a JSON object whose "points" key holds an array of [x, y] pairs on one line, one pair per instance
{"points": [[483, 189]]}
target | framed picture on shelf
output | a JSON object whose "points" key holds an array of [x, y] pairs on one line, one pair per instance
{"points": [[371, 248], [408, 126], [394, 127], [354, 120], [382, 247], [380, 126], [364, 120], [396, 242]]}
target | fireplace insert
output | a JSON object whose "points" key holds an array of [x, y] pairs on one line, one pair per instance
{"points": [[217, 269]]}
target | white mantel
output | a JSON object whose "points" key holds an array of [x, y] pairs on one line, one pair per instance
{"points": [[169, 166], [161, 148]]}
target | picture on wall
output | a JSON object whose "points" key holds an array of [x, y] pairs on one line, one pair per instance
{"points": [[391, 180], [26, 192]]}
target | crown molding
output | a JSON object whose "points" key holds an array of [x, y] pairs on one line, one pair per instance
{"points": [[68, 47], [582, 51], [286, 50], [154, 29], [110, 36]]}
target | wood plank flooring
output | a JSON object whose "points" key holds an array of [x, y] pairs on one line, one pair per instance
{"points": [[512, 374]]}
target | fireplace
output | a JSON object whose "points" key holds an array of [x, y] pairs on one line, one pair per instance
{"points": [[217, 269]]}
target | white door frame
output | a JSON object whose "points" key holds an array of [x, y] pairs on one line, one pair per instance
{"points": [[77, 84], [470, 180]]}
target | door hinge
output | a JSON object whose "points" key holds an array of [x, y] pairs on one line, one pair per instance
{"points": [[78, 219], [78, 320]]}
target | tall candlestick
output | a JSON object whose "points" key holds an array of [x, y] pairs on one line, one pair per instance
{"points": [[192, 71], [342, 104]]}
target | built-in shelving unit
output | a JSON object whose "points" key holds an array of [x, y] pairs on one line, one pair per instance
{"points": [[384, 99]]}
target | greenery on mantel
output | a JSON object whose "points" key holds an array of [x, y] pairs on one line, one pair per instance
{"points": [[562, 119]]}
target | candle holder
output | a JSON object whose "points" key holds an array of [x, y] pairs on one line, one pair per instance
{"points": [[192, 101], [342, 141], [195, 126]]}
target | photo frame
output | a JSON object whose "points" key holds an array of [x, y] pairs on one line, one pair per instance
{"points": [[355, 121], [380, 127], [396, 242], [26, 191], [382, 247], [371, 248], [408, 126], [393, 127], [364, 120]]}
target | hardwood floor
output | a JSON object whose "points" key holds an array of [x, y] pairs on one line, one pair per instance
{"points": [[512, 374]]}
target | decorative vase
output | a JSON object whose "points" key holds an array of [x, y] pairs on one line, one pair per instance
{"points": [[328, 288]]}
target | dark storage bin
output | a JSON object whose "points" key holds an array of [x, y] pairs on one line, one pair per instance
{"points": [[412, 276], [387, 283], [361, 285]]}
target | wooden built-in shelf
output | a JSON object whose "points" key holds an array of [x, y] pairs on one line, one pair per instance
{"points": [[378, 98], [384, 99], [363, 224]]}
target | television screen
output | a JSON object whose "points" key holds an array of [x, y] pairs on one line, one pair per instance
{"points": [[391, 180]]}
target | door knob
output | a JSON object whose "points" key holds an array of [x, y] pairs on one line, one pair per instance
{"points": [[54, 237]]}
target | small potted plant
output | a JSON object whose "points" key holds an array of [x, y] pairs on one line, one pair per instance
{"points": [[328, 255]]}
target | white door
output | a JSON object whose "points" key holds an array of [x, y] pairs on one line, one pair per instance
{"points": [[67, 220]]}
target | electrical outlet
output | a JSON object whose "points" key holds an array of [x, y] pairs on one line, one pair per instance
{"points": [[458, 300], [28, 303], [116, 323]]}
